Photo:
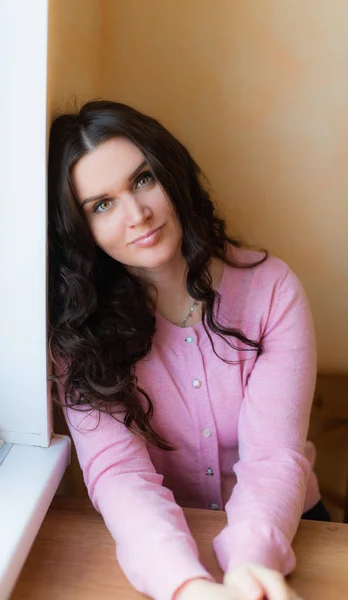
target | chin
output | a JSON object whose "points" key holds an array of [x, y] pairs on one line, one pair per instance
{"points": [[158, 257]]}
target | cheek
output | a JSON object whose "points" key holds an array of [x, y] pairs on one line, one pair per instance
{"points": [[157, 200], [165, 208], [106, 233], [175, 219]]}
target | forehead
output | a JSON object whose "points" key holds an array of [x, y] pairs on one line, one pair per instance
{"points": [[107, 167]]}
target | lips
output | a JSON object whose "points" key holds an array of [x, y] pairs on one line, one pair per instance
{"points": [[150, 236]]}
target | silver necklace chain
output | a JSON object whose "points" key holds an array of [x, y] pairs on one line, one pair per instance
{"points": [[195, 303]]}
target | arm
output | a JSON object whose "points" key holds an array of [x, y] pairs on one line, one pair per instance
{"points": [[267, 502], [153, 544]]}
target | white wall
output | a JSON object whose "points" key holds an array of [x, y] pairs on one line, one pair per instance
{"points": [[24, 413]]}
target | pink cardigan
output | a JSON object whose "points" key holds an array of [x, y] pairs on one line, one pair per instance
{"points": [[239, 430]]}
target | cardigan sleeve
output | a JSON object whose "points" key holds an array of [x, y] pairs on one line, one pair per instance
{"points": [[272, 472], [154, 546]]}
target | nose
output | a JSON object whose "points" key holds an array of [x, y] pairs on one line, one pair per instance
{"points": [[136, 212]]}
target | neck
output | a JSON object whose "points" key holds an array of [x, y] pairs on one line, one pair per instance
{"points": [[168, 289], [168, 283]]}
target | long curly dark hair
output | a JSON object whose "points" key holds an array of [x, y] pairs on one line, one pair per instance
{"points": [[94, 330]]}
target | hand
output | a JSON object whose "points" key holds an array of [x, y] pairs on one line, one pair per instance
{"points": [[203, 589], [254, 582]]}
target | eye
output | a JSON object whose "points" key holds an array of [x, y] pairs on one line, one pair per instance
{"points": [[143, 180], [102, 206]]}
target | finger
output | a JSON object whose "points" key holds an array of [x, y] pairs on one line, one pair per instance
{"points": [[223, 592], [274, 584], [295, 595], [243, 580]]}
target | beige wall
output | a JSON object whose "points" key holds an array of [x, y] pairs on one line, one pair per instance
{"points": [[258, 90], [73, 51]]}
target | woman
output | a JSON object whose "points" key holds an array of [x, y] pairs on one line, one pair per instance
{"points": [[185, 364]]}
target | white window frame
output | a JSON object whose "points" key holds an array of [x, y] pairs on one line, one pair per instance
{"points": [[35, 464]]}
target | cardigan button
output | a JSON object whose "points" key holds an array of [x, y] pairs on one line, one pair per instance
{"points": [[206, 432]]}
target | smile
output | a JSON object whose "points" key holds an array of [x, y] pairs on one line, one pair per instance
{"points": [[147, 239]]}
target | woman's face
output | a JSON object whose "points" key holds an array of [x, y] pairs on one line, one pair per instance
{"points": [[128, 214]]}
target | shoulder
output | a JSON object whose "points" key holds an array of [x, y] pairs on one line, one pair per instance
{"points": [[254, 269], [254, 292]]}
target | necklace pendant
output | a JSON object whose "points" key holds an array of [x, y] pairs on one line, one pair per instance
{"points": [[195, 303]]}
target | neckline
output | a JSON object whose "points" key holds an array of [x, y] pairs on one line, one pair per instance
{"points": [[197, 326]]}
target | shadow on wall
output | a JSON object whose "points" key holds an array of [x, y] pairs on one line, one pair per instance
{"points": [[329, 431]]}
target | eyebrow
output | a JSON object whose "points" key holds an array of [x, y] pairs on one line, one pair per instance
{"points": [[103, 196]]}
